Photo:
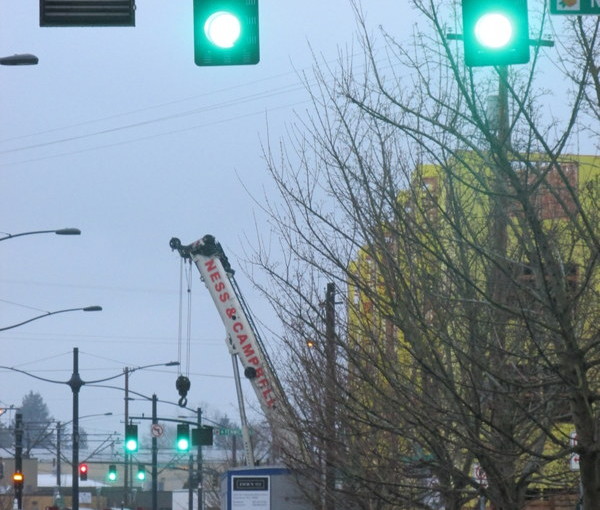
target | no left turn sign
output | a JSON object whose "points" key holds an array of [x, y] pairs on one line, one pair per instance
{"points": [[156, 430]]}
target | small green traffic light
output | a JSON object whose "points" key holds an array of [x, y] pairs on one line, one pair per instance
{"points": [[131, 438], [112, 473], [141, 472], [183, 437], [495, 32], [226, 32]]}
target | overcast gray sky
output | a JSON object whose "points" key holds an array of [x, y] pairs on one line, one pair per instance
{"points": [[118, 133]]}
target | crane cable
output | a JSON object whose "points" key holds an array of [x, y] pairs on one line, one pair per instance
{"points": [[183, 382]]}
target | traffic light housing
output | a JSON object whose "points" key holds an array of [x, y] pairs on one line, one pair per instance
{"points": [[131, 438], [112, 473], [183, 437], [202, 436], [495, 32], [83, 471], [141, 472], [226, 32]]}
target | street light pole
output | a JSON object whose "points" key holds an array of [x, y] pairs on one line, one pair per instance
{"points": [[94, 308], [75, 383], [60, 231]]}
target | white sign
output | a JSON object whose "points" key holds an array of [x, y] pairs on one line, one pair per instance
{"points": [[479, 475], [250, 492], [574, 460], [157, 430]]}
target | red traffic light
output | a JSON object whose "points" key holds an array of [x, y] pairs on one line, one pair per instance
{"points": [[83, 471]]}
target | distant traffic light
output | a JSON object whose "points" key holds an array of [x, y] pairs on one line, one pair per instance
{"points": [[131, 438], [112, 472], [183, 437], [495, 32], [226, 32], [141, 472], [18, 480], [83, 471]]}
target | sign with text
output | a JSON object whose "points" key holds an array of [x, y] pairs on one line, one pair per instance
{"points": [[575, 7], [250, 492]]}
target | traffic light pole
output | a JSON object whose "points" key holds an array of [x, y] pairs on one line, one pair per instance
{"points": [[19, 458]]}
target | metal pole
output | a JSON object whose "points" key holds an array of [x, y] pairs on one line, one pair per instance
{"points": [[19, 458], [330, 388], [190, 478], [58, 439], [154, 458], [75, 384], [200, 461], [127, 457]]}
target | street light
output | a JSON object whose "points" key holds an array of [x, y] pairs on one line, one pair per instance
{"points": [[94, 308], [21, 59], [60, 231]]}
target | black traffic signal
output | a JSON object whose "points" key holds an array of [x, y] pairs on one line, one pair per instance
{"points": [[141, 472], [83, 471], [495, 32], [202, 436], [112, 473], [183, 437], [226, 32], [131, 438]]}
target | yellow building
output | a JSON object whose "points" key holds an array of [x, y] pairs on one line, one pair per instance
{"points": [[465, 283]]}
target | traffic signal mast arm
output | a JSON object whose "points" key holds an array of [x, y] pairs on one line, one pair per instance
{"points": [[243, 340]]}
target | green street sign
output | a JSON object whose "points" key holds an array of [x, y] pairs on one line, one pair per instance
{"points": [[227, 432], [575, 7]]}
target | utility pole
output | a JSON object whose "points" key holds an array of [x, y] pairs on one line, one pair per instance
{"points": [[330, 390]]}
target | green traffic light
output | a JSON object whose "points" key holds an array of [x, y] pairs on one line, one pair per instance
{"points": [[131, 438], [226, 32], [141, 472], [223, 29], [495, 32], [183, 437], [112, 473]]}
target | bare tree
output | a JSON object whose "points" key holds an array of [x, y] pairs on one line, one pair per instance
{"points": [[467, 238]]}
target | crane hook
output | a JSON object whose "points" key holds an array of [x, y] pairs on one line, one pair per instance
{"points": [[183, 386]]}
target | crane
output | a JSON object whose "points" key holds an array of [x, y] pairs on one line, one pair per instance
{"points": [[243, 340]]}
